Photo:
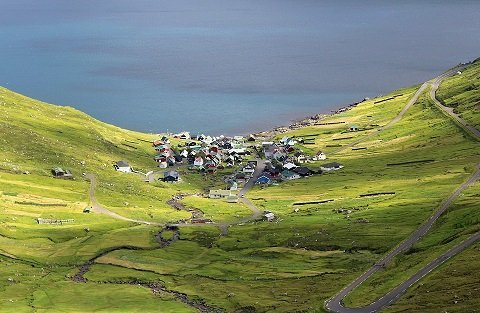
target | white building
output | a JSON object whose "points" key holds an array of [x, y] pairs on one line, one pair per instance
{"points": [[122, 166], [219, 194], [269, 216], [289, 166], [319, 156]]}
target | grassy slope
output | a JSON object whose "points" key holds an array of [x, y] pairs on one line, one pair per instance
{"points": [[292, 265], [462, 92], [35, 137], [309, 246]]}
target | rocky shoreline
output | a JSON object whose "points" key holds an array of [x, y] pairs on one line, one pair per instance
{"points": [[305, 122]]}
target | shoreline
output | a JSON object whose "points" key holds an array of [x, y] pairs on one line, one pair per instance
{"points": [[309, 120]]}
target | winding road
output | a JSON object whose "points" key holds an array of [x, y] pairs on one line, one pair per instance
{"points": [[256, 213], [335, 304]]}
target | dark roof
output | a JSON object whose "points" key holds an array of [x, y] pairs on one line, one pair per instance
{"points": [[122, 164], [302, 170], [240, 175], [170, 174], [332, 165]]}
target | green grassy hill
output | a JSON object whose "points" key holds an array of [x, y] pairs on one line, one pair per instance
{"points": [[292, 265], [462, 92]]}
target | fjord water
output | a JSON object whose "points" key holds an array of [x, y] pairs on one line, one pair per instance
{"points": [[218, 66]]}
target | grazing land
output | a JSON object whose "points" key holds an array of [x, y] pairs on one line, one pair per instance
{"points": [[328, 229]]}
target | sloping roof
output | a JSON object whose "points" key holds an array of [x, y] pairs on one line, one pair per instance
{"points": [[302, 170], [170, 174], [264, 178], [58, 170], [289, 165], [287, 173], [122, 164]]}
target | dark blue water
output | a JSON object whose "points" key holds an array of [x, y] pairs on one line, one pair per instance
{"points": [[220, 66]]}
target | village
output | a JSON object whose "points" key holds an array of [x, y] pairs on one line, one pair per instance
{"points": [[234, 161]]}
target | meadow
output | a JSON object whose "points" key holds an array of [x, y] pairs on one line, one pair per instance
{"points": [[291, 265]]}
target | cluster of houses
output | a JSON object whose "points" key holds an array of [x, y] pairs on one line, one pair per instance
{"points": [[286, 162], [285, 151], [204, 153]]}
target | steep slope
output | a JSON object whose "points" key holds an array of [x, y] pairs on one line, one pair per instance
{"points": [[462, 92], [37, 137], [313, 249]]}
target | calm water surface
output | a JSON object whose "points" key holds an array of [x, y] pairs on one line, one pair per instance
{"points": [[219, 66]]}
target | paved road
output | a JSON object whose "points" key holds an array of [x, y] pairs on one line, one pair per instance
{"points": [[256, 213], [435, 82], [251, 182], [449, 111], [335, 304], [397, 118]]}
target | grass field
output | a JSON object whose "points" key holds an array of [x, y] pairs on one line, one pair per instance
{"points": [[462, 92], [291, 265]]}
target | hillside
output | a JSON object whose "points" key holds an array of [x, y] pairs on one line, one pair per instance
{"points": [[399, 166], [462, 92]]}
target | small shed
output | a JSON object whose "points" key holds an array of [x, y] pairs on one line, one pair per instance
{"points": [[269, 216], [58, 172]]}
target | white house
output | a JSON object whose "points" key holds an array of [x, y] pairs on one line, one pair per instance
{"points": [[182, 135], [240, 151], [198, 161], [208, 140], [291, 142], [249, 169], [319, 156], [219, 194], [289, 166], [122, 166], [284, 140]]}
